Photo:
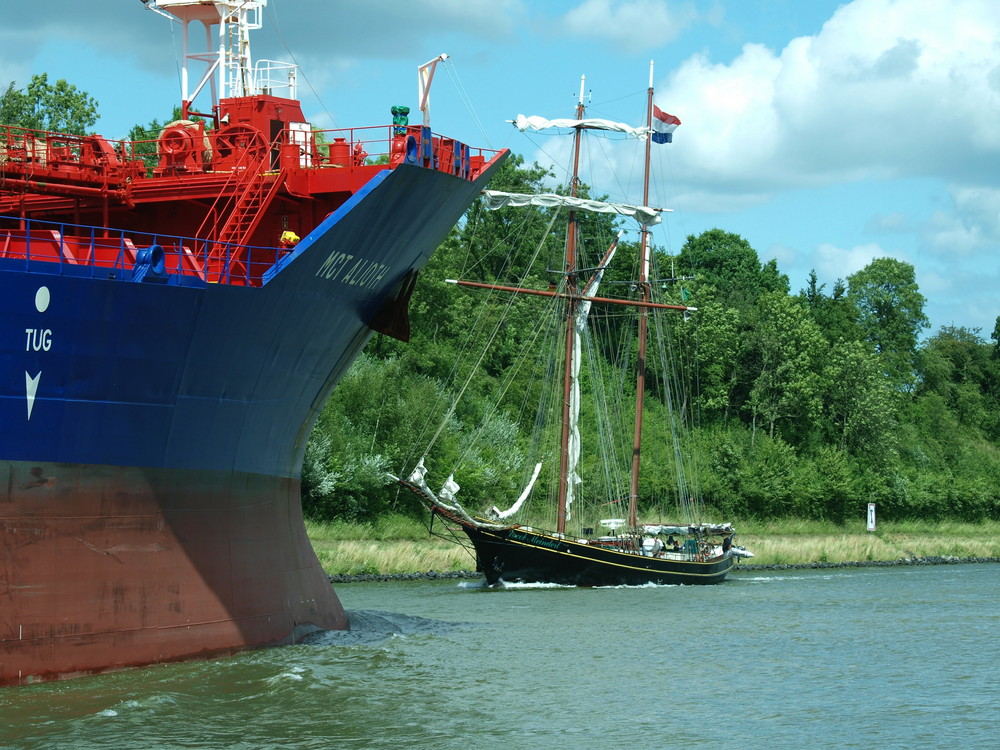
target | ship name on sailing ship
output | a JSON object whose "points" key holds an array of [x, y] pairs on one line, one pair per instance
{"points": [[538, 541], [344, 268]]}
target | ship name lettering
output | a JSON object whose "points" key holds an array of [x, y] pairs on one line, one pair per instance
{"points": [[38, 340], [333, 265], [538, 541], [365, 273]]}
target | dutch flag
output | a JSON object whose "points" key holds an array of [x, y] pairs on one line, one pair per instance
{"points": [[663, 126]]}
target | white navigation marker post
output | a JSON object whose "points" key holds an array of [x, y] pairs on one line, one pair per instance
{"points": [[871, 516]]}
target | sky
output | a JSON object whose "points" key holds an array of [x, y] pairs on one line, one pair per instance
{"points": [[824, 133]]}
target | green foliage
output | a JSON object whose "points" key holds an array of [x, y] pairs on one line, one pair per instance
{"points": [[721, 351], [834, 314], [859, 407], [838, 496], [809, 405], [789, 347], [59, 107], [960, 367], [378, 416], [890, 314], [727, 262], [371, 414]]}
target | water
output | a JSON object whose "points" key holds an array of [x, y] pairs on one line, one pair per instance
{"points": [[852, 658]]}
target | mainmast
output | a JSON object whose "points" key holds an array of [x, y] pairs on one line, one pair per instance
{"points": [[571, 288], [644, 294]]}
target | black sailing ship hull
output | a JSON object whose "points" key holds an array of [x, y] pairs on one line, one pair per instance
{"points": [[521, 555]]}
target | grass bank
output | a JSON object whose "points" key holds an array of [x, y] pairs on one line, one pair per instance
{"points": [[402, 545], [395, 544], [795, 542]]}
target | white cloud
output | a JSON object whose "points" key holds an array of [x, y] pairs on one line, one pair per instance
{"points": [[784, 255], [732, 130], [382, 29], [633, 25], [973, 227], [962, 297], [886, 89], [833, 262], [894, 222]]}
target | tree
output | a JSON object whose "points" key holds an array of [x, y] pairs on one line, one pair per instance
{"points": [[956, 364], [486, 230], [377, 422], [789, 344], [720, 351], [59, 108], [836, 483], [728, 262], [890, 310], [834, 314], [859, 410], [850, 409]]}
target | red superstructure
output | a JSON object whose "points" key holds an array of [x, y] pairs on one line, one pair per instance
{"points": [[226, 184], [230, 191], [175, 313]]}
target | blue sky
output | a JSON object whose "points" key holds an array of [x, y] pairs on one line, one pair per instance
{"points": [[825, 133]]}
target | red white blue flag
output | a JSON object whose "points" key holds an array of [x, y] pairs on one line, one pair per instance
{"points": [[663, 126]]}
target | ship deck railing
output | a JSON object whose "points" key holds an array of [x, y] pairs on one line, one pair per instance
{"points": [[93, 160], [124, 254], [412, 144]]}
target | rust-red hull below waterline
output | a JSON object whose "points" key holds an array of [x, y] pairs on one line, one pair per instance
{"points": [[109, 567]]}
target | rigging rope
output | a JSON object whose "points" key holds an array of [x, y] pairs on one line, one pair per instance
{"points": [[496, 329], [464, 96], [473, 332], [301, 71]]}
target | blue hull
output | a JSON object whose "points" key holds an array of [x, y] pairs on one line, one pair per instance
{"points": [[154, 432], [210, 376]]}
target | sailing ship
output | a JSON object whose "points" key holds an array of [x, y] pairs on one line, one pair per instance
{"points": [[176, 312], [624, 550]]}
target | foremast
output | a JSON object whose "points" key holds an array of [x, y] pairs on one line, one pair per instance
{"points": [[644, 295], [567, 464]]}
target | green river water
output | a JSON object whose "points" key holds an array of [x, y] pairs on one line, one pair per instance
{"points": [[896, 657]]}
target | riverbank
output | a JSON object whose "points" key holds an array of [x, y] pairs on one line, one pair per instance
{"points": [[397, 548]]}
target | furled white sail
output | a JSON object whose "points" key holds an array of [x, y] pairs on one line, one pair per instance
{"points": [[580, 325], [573, 446], [450, 488], [643, 214], [419, 477], [534, 122], [501, 514]]}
